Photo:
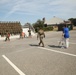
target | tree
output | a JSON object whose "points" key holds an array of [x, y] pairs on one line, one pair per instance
{"points": [[73, 20], [39, 24]]}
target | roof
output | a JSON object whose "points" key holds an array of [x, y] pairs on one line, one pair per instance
{"points": [[28, 25], [54, 20]]}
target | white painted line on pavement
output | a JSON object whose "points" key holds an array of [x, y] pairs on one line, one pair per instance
{"points": [[15, 67], [58, 51]]}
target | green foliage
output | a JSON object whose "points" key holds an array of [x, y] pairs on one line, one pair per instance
{"points": [[50, 28], [39, 24], [73, 20]]}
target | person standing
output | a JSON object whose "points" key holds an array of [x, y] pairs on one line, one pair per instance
{"points": [[29, 31], [66, 36], [41, 35], [7, 36]]}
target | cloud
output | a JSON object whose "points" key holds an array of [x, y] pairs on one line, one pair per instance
{"points": [[15, 7], [4, 1], [61, 6], [37, 5], [39, 8]]}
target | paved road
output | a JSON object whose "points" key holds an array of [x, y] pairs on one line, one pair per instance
{"points": [[25, 57]]}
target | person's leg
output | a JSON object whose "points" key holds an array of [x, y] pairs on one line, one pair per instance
{"points": [[61, 42], [42, 42], [6, 39], [67, 42]]}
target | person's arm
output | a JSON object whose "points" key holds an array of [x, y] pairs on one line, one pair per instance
{"points": [[44, 35], [63, 31], [37, 36]]}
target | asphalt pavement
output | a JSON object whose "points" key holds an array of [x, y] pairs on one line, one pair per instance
{"points": [[25, 57]]}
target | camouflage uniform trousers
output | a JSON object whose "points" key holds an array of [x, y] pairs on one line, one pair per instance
{"points": [[41, 40]]}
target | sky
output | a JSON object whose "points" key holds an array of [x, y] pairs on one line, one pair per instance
{"points": [[32, 10]]}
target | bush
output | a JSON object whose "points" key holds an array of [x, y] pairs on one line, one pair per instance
{"points": [[50, 28]]}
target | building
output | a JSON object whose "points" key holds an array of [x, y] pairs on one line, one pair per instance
{"points": [[28, 27], [11, 27], [68, 23], [58, 23], [54, 21]]}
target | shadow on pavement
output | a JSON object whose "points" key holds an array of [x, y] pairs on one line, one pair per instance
{"points": [[54, 46], [33, 44]]}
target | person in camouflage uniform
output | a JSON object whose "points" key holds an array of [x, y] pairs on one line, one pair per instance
{"points": [[41, 35], [7, 36]]}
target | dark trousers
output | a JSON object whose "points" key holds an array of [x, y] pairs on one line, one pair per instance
{"points": [[7, 38]]}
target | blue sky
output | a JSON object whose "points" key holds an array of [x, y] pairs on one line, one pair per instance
{"points": [[32, 10]]}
